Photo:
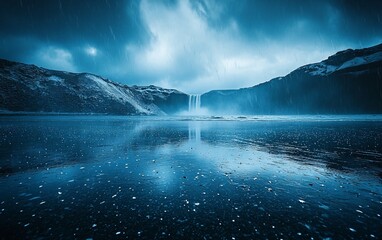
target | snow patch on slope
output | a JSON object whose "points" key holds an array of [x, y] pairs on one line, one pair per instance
{"points": [[353, 62], [154, 90], [322, 68], [117, 93], [319, 69], [362, 60], [55, 78]]}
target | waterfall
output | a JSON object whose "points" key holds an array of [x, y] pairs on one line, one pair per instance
{"points": [[194, 103]]}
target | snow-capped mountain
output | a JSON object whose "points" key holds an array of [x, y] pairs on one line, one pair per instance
{"points": [[29, 88], [348, 82], [345, 60]]}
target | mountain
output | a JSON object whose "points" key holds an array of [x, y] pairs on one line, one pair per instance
{"points": [[29, 88], [349, 82]]}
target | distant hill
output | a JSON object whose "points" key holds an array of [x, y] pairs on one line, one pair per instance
{"points": [[29, 88], [349, 82]]}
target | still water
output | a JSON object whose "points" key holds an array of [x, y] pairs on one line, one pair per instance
{"points": [[102, 177]]}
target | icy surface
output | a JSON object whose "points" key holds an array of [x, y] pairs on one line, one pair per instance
{"points": [[221, 177]]}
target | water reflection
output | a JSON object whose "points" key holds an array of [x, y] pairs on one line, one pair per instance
{"points": [[194, 131], [109, 177]]}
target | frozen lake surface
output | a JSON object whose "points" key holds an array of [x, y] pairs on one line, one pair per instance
{"points": [[103, 177]]}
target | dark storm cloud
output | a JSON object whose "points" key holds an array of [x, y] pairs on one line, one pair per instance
{"points": [[353, 20], [102, 21], [192, 45], [360, 19], [70, 24]]}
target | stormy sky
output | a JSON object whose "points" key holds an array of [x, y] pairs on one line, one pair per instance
{"points": [[190, 45]]}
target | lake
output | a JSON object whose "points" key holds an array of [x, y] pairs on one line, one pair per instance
{"points": [[238, 177]]}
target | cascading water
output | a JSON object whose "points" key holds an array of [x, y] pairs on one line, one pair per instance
{"points": [[194, 104]]}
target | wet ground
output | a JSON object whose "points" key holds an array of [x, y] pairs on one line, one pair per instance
{"points": [[102, 177]]}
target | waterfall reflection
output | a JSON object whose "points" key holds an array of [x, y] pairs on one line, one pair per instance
{"points": [[194, 131]]}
